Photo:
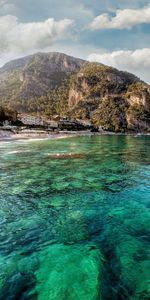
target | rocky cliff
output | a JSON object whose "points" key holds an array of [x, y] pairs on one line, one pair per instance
{"points": [[111, 99], [35, 75], [57, 84], [7, 114]]}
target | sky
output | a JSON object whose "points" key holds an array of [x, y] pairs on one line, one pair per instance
{"points": [[113, 32]]}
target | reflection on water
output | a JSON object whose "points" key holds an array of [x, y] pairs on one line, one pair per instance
{"points": [[77, 227]]}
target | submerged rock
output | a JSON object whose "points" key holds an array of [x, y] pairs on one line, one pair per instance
{"points": [[66, 155], [134, 269], [69, 272], [18, 286]]}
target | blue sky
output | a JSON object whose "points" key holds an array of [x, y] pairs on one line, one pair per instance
{"points": [[114, 32]]}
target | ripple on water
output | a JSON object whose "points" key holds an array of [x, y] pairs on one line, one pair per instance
{"points": [[77, 227]]}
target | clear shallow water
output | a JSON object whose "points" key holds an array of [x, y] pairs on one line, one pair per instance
{"points": [[76, 228]]}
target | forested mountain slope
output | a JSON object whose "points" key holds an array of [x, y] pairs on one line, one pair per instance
{"points": [[54, 83]]}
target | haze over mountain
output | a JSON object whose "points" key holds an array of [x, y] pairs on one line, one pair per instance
{"points": [[55, 83]]}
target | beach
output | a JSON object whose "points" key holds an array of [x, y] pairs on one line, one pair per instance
{"points": [[41, 134]]}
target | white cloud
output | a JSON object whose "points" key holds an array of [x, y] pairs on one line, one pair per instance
{"points": [[123, 19], [7, 7], [75, 10], [20, 37], [137, 61]]}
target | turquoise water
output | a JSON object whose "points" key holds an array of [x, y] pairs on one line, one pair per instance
{"points": [[75, 227]]}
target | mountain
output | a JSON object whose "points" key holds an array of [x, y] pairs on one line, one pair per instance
{"points": [[34, 76], [55, 83], [111, 99]]}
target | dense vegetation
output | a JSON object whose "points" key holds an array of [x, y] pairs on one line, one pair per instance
{"points": [[111, 99], [7, 114], [38, 83], [56, 84], [55, 102], [110, 114]]}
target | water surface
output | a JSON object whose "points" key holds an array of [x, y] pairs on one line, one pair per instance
{"points": [[77, 227]]}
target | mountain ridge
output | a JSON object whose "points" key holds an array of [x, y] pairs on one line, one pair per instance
{"points": [[55, 83]]}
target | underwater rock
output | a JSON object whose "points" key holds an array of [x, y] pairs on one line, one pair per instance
{"points": [[70, 202], [18, 286], [134, 268], [66, 155], [69, 272]]}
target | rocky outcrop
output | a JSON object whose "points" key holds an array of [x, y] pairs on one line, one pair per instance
{"points": [[139, 94], [111, 99], [74, 125], [56, 84], [35, 75], [7, 114], [78, 90]]}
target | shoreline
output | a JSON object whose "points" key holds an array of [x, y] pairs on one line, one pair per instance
{"points": [[44, 136], [9, 136]]}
